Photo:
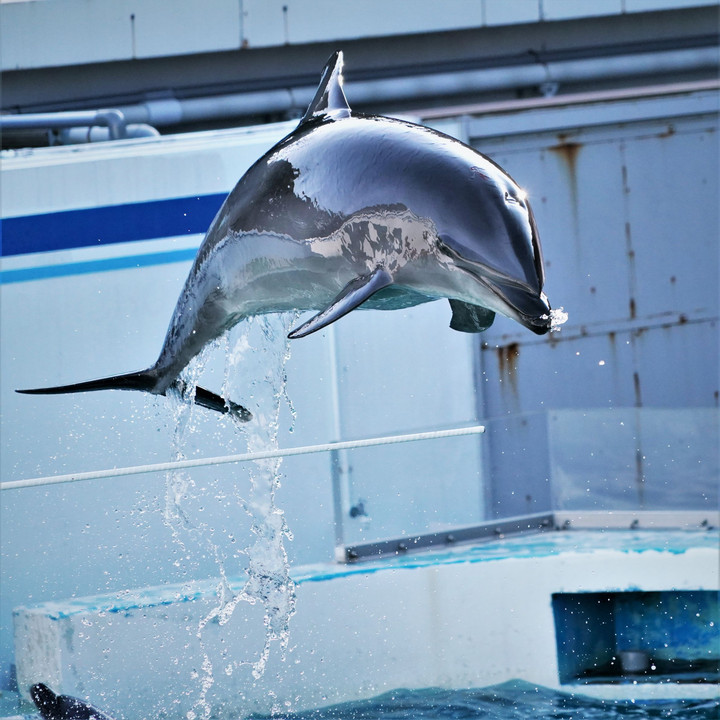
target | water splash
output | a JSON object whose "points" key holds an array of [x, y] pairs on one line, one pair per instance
{"points": [[178, 483], [256, 355], [558, 317], [268, 573]]}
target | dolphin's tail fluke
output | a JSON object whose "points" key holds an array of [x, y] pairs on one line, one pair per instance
{"points": [[131, 381], [144, 380]]}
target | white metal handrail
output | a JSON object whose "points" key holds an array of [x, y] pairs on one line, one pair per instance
{"points": [[243, 457]]}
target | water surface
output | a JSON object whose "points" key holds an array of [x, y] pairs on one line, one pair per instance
{"points": [[514, 700]]}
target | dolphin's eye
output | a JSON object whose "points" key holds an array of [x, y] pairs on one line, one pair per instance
{"points": [[518, 199]]}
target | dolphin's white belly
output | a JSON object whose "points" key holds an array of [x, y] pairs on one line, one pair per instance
{"points": [[246, 275], [256, 273]]}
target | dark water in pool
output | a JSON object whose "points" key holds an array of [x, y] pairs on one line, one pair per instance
{"points": [[510, 701]]}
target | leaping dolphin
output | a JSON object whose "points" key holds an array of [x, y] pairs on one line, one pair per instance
{"points": [[63, 707], [353, 210]]}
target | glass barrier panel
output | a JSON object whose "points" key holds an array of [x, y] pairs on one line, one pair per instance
{"points": [[420, 487], [634, 459]]}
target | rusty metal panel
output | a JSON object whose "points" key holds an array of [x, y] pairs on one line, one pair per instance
{"points": [[572, 186], [671, 216], [628, 217], [677, 365], [581, 371]]}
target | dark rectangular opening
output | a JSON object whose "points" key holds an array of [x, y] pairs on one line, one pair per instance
{"points": [[664, 636]]}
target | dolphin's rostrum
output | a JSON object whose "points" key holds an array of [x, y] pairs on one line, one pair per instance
{"points": [[354, 210]]}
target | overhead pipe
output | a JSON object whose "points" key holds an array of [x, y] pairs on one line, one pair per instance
{"points": [[141, 120], [95, 133], [79, 126], [170, 111]]}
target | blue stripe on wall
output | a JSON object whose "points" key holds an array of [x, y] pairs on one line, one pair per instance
{"points": [[93, 266], [100, 226]]}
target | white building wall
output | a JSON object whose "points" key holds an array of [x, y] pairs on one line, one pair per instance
{"points": [[134, 29]]}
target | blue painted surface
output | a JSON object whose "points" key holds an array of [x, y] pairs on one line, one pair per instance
{"points": [[529, 546], [43, 272], [669, 625], [673, 627], [99, 226]]}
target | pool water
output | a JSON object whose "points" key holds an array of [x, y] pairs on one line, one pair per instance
{"points": [[514, 700]]}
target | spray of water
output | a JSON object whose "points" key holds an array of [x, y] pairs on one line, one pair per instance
{"points": [[256, 354], [558, 317], [268, 573]]}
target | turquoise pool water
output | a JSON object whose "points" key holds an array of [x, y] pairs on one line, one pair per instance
{"points": [[515, 700]]}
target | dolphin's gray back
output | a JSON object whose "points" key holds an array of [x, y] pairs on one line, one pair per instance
{"points": [[327, 171]]}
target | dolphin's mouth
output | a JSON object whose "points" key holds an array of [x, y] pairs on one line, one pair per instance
{"points": [[539, 319], [539, 325], [549, 322], [515, 299], [527, 306]]}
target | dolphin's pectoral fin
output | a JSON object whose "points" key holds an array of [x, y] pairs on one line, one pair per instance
{"points": [[211, 401], [355, 293], [470, 318], [329, 99]]}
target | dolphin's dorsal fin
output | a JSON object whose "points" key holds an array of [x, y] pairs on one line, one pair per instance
{"points": [[356, 292], [330, 99]]}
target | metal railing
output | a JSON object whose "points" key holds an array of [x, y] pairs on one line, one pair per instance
{"points": [[243, 457]]}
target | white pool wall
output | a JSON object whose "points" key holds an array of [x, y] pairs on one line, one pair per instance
{"points": [[459, 620]]}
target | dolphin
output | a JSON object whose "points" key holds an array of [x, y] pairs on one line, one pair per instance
{"points": [[63, 707], [352, 210]]}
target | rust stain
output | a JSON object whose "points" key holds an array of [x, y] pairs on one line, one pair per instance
{"points": [[625, 180], [640, 476], [569, 152], [638, 391], [508, 363]]}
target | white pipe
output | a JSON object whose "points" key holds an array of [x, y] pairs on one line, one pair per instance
{"points": [[112, 119], [171, 111], [94, 133], [245, 457], [80, 126], [535, 74]]}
